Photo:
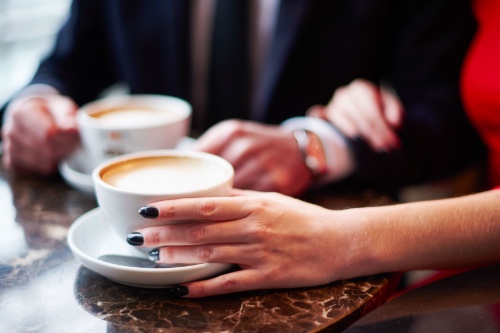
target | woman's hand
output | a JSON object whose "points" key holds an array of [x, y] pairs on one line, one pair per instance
{"points": [[362, 109], [277, 241]]}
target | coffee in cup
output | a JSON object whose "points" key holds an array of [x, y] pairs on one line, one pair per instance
{"points": [[133, 117], [163, 174], [120, 125], [125, 184]]}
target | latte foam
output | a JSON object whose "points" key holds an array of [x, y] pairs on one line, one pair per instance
{"points": [[134, 116], [164, 175]]}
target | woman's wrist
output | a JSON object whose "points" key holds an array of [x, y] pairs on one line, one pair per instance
{"points": [[351, 244]]}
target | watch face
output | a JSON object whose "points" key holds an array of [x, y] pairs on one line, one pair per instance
{"points": [[312, 152], [316, 158]]}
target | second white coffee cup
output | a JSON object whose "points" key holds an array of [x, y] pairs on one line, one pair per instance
{"points": [[119, 125]]}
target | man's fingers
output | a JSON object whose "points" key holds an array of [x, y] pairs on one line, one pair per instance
{"points": [[366, 96], [36, 135], [317, 111], [28, 160], [35, 118], [64, 113], [247, 174], [216, 138], [370, 117], [38, 131], [393, 109], [346, 125]]}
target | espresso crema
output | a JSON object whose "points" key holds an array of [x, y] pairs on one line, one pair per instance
{"points": [[164, 175], [134, 116]]}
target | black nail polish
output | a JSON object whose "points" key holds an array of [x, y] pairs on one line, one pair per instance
{"points": [[178, 291], [154, 255], [149, 212], [135, 239]]}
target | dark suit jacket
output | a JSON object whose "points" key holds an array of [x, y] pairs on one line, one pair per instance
{"points": [[415, 45]]}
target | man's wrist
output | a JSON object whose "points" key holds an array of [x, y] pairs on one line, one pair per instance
{"points": [[338, 157], [312, 151]]}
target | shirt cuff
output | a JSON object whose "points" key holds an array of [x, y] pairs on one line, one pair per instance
{"points": [[339, 159]]}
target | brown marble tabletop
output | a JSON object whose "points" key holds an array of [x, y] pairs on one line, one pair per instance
{"points": [[43, 288]]}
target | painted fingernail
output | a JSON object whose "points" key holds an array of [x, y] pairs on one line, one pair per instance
{"points": [[178, 291], [149, 212], [135, 239], [154, 255]]}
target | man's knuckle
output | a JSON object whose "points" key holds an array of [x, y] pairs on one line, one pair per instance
{"points": [[371, 123], [236, 128], [360, 83]]}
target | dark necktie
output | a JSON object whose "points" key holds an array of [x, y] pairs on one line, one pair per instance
{"points": [[228, 85]]}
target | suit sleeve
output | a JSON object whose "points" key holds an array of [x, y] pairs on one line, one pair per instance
{"points": [[426, 44], [79, 64]]}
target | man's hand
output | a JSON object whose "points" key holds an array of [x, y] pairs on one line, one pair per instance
{"points": [[362, 109], [38, 131], [264, 157]]}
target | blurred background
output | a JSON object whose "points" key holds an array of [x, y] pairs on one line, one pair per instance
{"points": [[27, 32]]}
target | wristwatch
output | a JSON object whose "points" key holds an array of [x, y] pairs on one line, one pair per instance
{"points": [[312, 151]]}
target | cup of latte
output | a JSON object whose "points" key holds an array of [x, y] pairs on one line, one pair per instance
{"points": [[119, 125], [125, 184]]}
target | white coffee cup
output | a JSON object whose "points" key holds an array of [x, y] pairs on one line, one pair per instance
{"points": [[125, 184], [119, 125]]}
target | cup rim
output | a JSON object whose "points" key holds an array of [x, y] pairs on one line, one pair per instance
{"points": [[84, 119], [98, 181]]}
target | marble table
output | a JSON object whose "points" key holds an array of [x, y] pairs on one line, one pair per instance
{"points": [[43, 288]]}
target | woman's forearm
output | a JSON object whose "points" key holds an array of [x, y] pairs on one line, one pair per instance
{"points": [[442, 234]]}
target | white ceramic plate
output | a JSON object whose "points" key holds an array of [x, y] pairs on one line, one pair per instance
{"points": [[90, 237], [77, 171]]}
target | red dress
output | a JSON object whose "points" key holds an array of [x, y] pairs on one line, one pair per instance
{"points": [[481, 81]]}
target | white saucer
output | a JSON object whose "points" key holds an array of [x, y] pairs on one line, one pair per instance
{"points": [[90, 237], [77, 171]]}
